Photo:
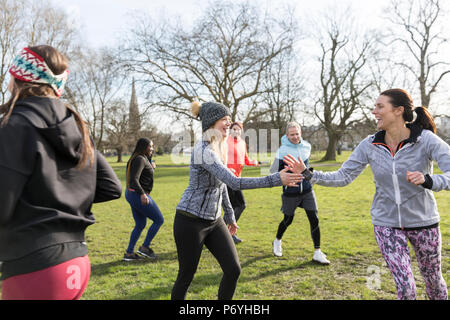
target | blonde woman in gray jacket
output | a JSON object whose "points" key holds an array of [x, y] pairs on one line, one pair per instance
{"points": [[404, 209], [198, 220]]}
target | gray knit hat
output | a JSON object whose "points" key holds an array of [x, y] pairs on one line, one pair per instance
{"points": [[210, 112]]}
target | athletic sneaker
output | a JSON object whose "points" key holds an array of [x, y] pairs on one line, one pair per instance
{"points": [[236, 239], [277, 250], [131, 257], [147, 252], [320, 257]]}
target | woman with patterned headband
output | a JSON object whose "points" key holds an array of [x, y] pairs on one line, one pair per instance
{"points": [[50, 176]]}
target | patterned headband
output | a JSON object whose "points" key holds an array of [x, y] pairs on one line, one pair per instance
{"points": [[30, 67]]}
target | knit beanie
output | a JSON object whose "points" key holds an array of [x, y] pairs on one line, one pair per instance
{"points": [[209, 113]]}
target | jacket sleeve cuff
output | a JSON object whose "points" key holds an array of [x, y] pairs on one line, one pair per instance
{"points": [[307, 174], [428, 184], [275, 180], [229, 218]]}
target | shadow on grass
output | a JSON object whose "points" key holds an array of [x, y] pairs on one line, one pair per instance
{"points": [[154, 293], [99, 269], [273, 272], [202, 281], [164, 291]]}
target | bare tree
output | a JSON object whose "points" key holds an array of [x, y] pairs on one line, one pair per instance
{"points": [[50, 25], [222, 58], [117, 128], [344, 84], [32, 22], [11, 19], [422, 37], [95, 83], [285, 85]]}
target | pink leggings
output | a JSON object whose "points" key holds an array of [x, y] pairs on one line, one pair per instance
{"points": [[393, 244], [65, 281]]}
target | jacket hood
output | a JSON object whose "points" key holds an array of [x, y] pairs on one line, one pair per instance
{"points": [[303, 149], [55, 122]]}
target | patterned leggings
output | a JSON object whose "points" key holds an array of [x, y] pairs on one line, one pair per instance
{"points": [[393, 244]]}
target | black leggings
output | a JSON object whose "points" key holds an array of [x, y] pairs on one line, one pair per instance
{"points": [[313, 223], [190, 236]]}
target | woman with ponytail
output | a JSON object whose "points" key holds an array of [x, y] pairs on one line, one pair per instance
{"points": [[404, 209], [139, 177], [50, 174], [198, 218]]}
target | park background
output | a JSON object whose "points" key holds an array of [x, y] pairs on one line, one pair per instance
{"points": [[357, 269], [135, 67]]}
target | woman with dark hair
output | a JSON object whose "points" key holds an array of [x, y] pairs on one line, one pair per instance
{"points": [[404, 209], [50, 174], [139, 177]]}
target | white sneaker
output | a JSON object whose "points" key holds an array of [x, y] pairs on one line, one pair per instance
{"points": [[277, 250], [320, 257]]}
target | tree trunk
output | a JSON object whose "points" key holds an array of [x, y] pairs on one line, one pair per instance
{"points": [[331, 149], [119, 154]]}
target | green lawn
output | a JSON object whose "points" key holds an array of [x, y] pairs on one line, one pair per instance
{"points": [[346, 233]]}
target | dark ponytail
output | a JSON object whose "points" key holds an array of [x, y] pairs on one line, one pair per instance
{"points": [[401, 98], [424, 119]]}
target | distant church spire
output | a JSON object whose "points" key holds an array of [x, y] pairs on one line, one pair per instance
{"points": [[134, 117]]}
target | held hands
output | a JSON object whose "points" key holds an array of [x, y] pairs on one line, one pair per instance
{"points": [[294, 165], [415, 177], [290, 179], [144, 200], [233, 228]]}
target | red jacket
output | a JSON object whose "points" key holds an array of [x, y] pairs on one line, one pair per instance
{"points": [[237, 155]]}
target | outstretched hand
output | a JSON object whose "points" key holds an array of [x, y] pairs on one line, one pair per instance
{"points": [[294, 165], [290, 179], [233, 228]]}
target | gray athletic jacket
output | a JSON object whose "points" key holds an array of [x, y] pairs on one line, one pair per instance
{"points": [[397, 203], [207, 190]]}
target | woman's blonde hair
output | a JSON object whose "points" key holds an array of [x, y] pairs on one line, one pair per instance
{"points": [[216, 141]]}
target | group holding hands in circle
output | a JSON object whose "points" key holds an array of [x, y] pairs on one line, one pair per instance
{"points": [[54, 174]]}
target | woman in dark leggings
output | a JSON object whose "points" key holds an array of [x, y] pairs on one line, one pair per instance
{"points": [[139, 185], [198, 218]]}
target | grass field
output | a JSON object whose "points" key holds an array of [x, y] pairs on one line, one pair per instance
{"points": [[346, 236]]}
